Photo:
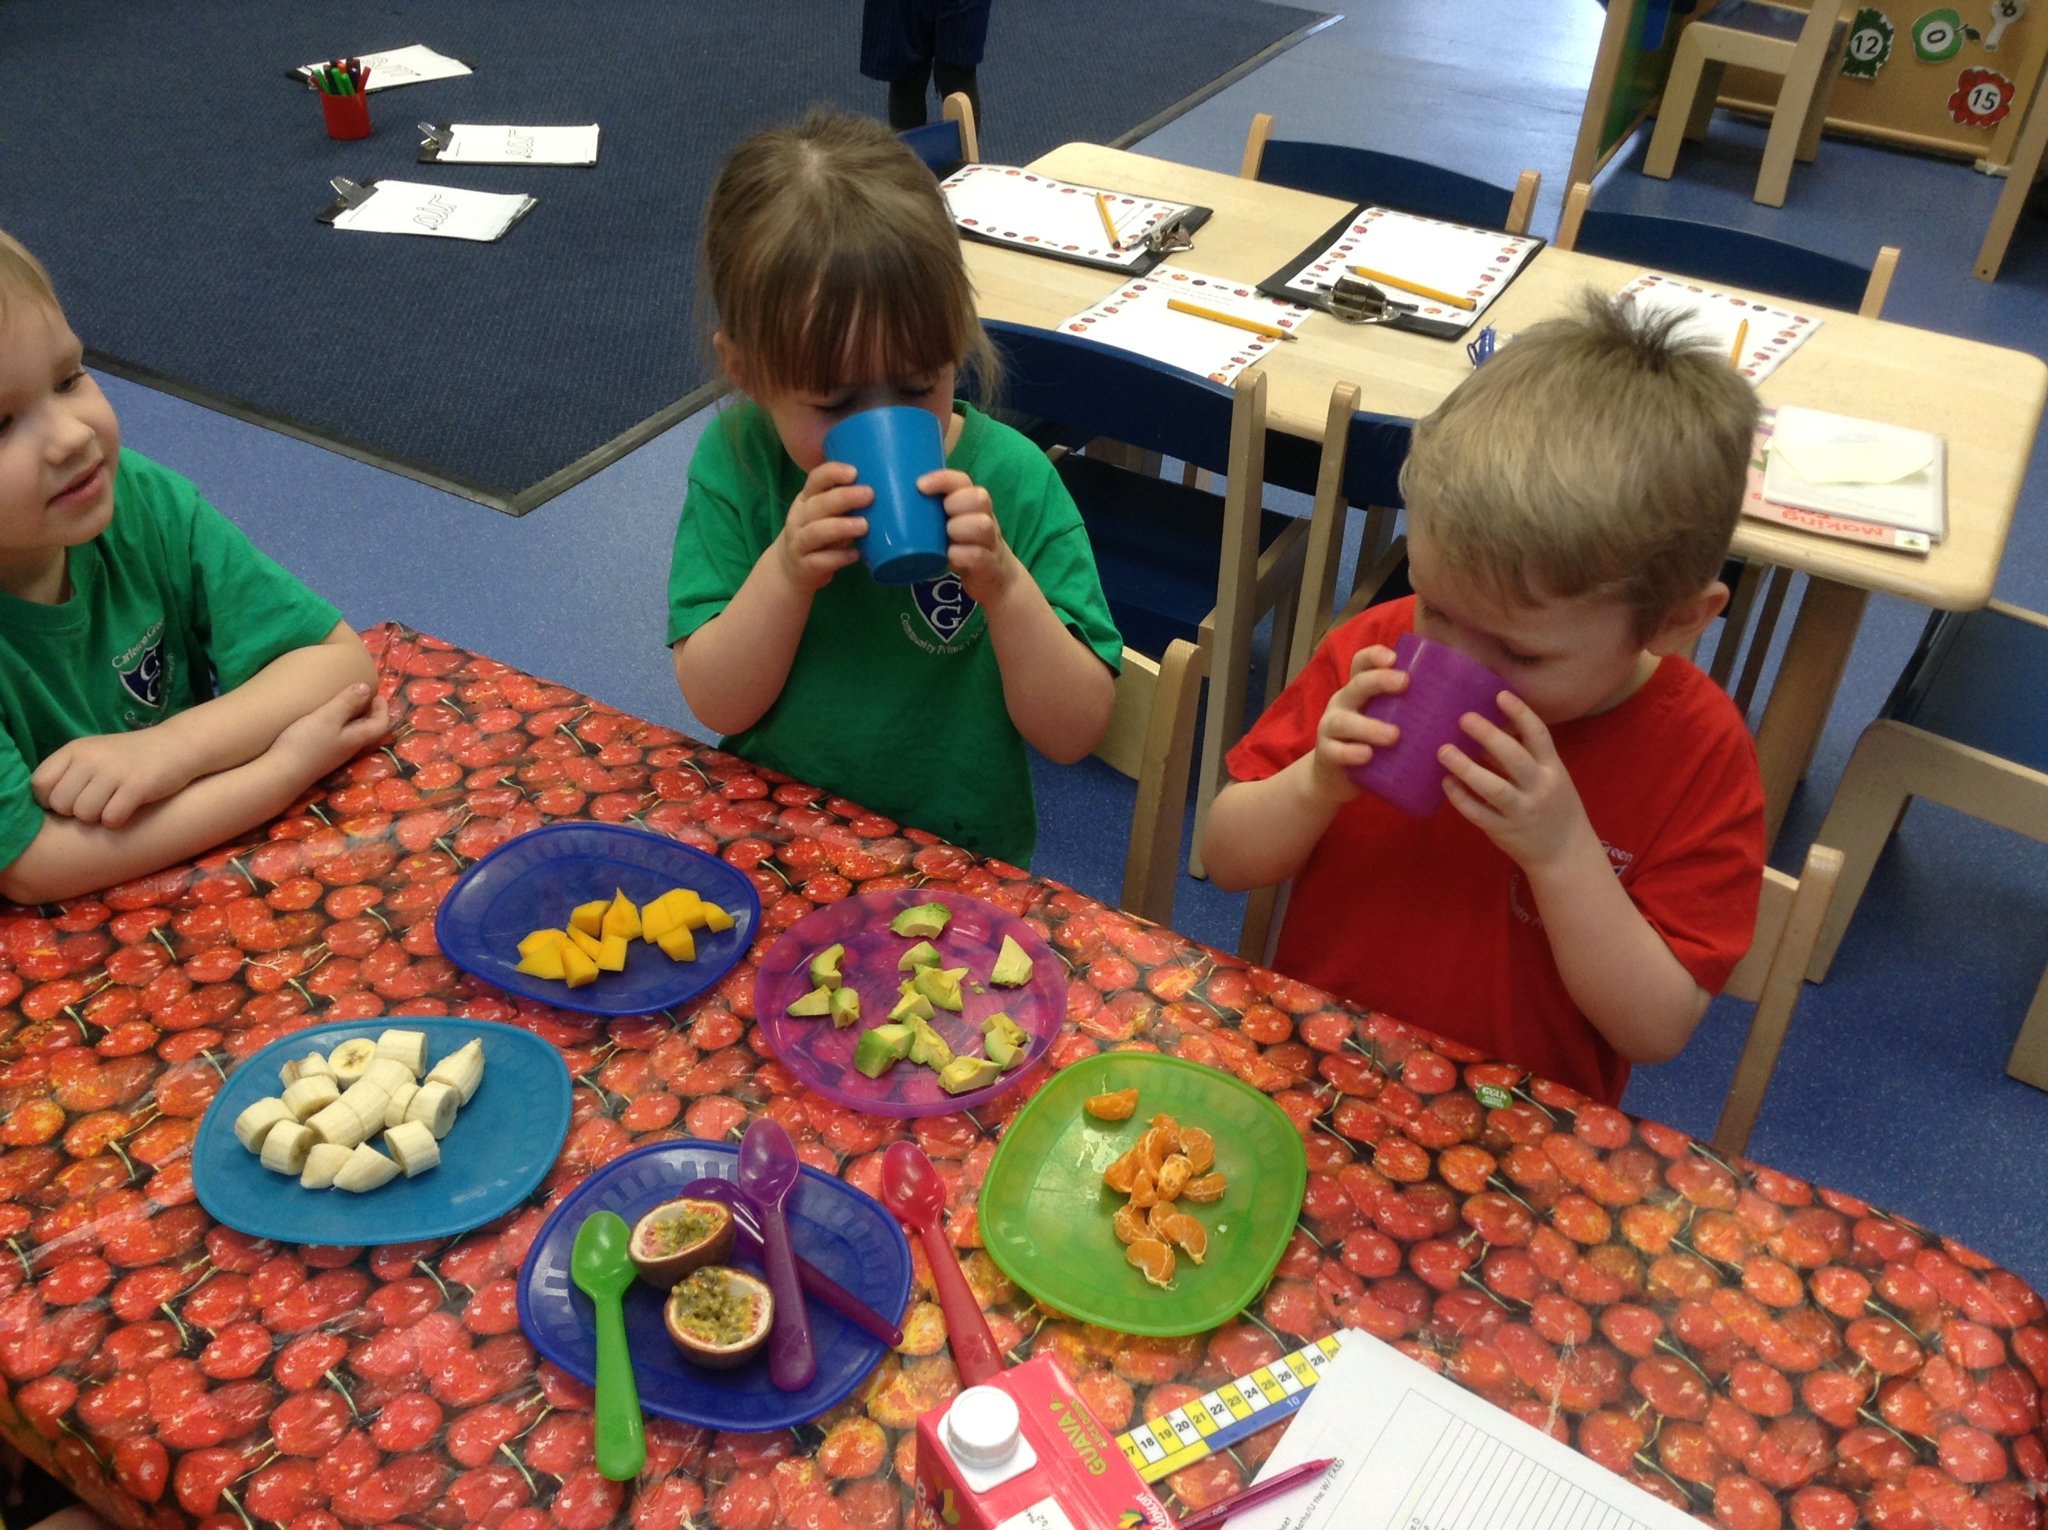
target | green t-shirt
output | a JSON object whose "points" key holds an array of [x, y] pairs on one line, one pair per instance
{"points": [[893, 699], [170, 605]]}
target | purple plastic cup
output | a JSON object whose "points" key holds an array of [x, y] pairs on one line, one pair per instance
{"points": [[1443, 685], [890, 449]]}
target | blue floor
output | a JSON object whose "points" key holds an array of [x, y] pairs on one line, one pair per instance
{"points": [[1892, 1084]]}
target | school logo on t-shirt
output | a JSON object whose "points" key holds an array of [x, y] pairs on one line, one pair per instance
{"points": [[944, 604], [142, 668]]}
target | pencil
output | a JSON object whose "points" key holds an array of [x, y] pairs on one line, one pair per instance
{"points": [[1235, 321], [1735, 350], [1108, 223], [1407, 286]]}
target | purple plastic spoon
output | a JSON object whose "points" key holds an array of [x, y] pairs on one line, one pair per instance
{"points": [[768, 1171], [747, 1237]]}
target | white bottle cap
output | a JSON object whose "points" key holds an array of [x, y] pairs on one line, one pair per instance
{"points": [[983, 1427]]}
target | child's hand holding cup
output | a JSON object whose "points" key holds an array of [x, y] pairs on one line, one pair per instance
{"points": [[1443, 685], [890, 449]]}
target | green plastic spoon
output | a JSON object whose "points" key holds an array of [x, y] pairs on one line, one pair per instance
{"points": [[601, 1270]]}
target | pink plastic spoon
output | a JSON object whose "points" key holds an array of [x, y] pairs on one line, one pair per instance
{"points": [[912, 1189]]}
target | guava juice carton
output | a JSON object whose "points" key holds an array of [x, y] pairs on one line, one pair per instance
{"points": [[1024, 1453]]}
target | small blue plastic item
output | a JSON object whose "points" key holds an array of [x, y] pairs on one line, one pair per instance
{"points": [[890, 449]]}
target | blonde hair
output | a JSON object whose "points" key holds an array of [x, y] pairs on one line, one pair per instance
{"points": [[1593, 455], [22, 276], [827, 246]]}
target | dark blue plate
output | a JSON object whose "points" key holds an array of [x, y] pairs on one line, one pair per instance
{"points": [[843, 1232], [503, 1141], [535, 882]]}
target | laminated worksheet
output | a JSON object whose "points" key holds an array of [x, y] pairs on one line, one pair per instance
{"points": [[1752, 334], [1417, 1449], [1439, 277], [413, 207], [1201, 324], [1003, 204], [472, 143], [409, 65]]}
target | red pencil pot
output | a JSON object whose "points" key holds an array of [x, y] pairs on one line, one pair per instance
{"points": [[347, 116]]}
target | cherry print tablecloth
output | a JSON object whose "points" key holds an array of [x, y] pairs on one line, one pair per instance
{"points": [[1757, 1349]]}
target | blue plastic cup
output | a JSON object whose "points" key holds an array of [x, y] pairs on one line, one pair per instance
{"points": [[1443, 685], [890, 449]]}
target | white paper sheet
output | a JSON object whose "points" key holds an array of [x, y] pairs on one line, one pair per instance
{"points": [[1418, 1450], [1715, 318], [1913, 500], [403, 66], [1470, 263], [471, 143], [1034, 211], [446, 212], [1136, 318]]}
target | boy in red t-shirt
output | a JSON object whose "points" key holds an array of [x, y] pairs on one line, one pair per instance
{"points": [[1569, 508]]}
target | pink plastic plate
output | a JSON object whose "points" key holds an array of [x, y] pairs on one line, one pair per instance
{"points": [[821, 1054]]}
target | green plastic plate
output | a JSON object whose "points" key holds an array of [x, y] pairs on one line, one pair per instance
{"points": [[1045, 1213]]}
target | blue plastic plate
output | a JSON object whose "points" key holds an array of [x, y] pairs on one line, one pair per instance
{"points": [[843, 1232], [503, 1141], [535, 882]]}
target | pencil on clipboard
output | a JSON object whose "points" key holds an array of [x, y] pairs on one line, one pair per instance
{"points": [[1735, 350], [1108, 223], [1451, 298], [1235, 321]]}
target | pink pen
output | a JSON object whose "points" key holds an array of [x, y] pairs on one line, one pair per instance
{"points": [[1272, 1487]]}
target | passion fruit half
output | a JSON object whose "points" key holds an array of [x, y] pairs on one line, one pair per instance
{"points": [[719, 1316], [677, 1237]]}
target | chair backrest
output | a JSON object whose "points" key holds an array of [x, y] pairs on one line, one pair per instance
{"points": [[1711, 253], [950, 142], [1151, 740], [1366, 175], [1788, 921], [1807, 31], [1360, 468]]}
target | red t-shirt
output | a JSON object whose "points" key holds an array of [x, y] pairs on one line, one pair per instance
{"points": [[1427, 920]]}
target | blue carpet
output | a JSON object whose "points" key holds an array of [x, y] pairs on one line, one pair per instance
{"points": [[176, 176]]}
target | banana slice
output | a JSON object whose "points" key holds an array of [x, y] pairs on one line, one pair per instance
{"points": [[387, 1073], [462, 1070], [254, 1123], [434, 1107], [401, 1100], [285, 1147], [408, 1047], [308, 1096], [366, 1169], [338, 1123], [289, 1073], [368, 1102], [349, 1061], [323, 1162], [413, 1145]]}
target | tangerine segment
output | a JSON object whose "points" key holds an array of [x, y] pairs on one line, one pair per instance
{"points": [[1204, 1187], [1199, 1147], [1178, 1227], [1144, 1192], [1155, 1146], [1172, 1177], [1129, 1223], [1112, 1105], [1122, 1176], [1169, 1131], [1153, 1259]]}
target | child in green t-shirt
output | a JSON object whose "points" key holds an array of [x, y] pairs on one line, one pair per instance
{"points": [[839, 286], [126, 603]]}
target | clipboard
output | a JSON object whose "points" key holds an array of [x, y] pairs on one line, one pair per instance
{"points": [[436, 138], [349, 195], [1321, 277], [1021, 209]]}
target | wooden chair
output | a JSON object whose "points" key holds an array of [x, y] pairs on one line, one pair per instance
{"points": [[1151, 740], [1803, 49], [1367, 175], [1963, 727], [1176, 560], [950, 142], [1708, 252]]}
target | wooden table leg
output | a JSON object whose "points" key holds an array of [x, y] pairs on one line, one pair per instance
{"points": [[1815, 656]]}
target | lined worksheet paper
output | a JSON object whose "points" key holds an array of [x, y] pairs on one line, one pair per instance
{"points": [[1016, 206], [1419, 1452], [1754, 335], [1136, 317]]}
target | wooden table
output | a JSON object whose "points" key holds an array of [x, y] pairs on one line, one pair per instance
{"points": [[1985, 399], [1736, 1340]]}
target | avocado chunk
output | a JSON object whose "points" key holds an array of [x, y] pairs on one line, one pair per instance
{"points": [[965, 1073], [845, 1007], [881, 1049], [1004, 1040], [1012, 968], [817, 1002], [912, 1006], [923, 954], [927, 921], [941, 985], [825, 966], [927, 1046]]}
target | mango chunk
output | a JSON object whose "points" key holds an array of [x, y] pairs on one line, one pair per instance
{"points": [[656, 920], [578, 968], [589, 917], [545, 961], [715, 918], [588, 943], [541, 940], [621, 917], [611, 954], [679, 944]]}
